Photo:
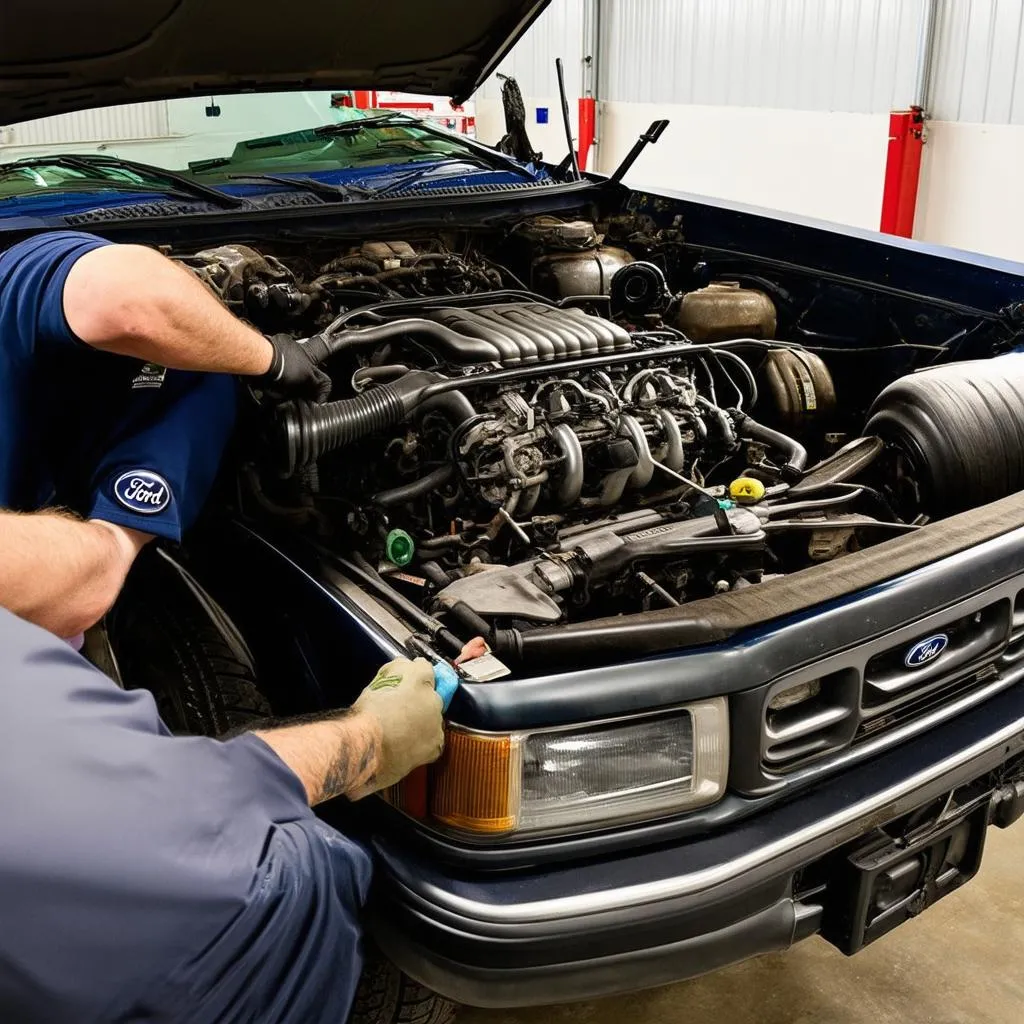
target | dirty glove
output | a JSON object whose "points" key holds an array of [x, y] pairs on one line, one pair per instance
{"points": [[294, 370], [402, 700]]}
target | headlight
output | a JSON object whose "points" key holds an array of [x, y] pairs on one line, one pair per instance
{"points": [[560, 779]]}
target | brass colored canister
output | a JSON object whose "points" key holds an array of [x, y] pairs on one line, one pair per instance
{"points": [[725, 310], [561, 274]]}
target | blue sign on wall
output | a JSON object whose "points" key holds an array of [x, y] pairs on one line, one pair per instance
{"points": [[542, 115]]}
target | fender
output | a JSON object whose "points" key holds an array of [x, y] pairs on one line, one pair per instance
{"points": [[160, 575]]}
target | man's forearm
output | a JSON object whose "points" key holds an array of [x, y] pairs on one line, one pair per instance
{"points": [[332, 756], [133, 301], [60, 572], [393, 727]]}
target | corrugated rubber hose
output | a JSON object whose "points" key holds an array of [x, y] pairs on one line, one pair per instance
{"points": [[307, 431]]}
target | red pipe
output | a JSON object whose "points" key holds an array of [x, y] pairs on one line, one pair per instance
{"points": [[902, 171], [586, 131]]}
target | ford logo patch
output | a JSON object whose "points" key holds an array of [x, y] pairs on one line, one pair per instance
{"points": [[926, 650], [142, 490]]}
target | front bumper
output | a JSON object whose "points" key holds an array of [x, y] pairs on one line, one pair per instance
{"points": [[576, 931]]}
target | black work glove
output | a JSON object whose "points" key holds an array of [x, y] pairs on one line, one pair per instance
{"points": [[294, 371]]}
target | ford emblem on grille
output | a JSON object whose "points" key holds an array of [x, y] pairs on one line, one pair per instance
{"points": [[926, 650]]}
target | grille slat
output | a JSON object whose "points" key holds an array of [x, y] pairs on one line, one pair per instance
{"points": [[825, 721], [893, 693], [802, 727], [929, 700], [1015, 648], [971, 640], [881, 687], [782, 757]]}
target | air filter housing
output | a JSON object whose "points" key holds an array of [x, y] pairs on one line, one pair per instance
{"points": [[959, 429]]}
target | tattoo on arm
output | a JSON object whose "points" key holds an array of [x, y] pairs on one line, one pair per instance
{"points": [[333, 753], [349, 769]]}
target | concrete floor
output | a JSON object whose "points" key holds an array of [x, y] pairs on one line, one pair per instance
{"points": [[962, 962]]}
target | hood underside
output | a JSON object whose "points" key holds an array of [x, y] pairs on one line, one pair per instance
{"points": [[67, 55]]}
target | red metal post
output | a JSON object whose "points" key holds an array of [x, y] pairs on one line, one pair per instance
{"points": [[366, 99], [586, 130], [902, 171], [405, 105]]}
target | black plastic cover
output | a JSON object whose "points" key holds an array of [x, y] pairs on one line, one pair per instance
{"points": [[961, 428]]}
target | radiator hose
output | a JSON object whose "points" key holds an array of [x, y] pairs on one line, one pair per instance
{"points": [[305, 431], [796, 454]]}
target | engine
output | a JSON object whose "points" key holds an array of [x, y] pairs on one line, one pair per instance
{"points": [[492, 457], [541, 428], [578, 443]]}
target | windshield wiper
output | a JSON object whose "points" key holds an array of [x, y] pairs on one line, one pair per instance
{"points": [[182, 181], [88, 163], [322, 189], [356, 126], [424, 171], [91, 188], [497, 160]]}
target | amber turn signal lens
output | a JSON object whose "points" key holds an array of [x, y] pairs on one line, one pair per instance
{"points": [[476, 783], [409, 795]]}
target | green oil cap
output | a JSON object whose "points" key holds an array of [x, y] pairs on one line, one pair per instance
{"points": [[399, 548]]}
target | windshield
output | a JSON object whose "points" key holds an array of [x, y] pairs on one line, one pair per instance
{"points": [[20, 179], [243, 145], [363, 139]]}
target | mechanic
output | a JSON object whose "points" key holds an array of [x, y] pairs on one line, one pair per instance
{"points": [[142, 875], [102, 413], [152, 877]]}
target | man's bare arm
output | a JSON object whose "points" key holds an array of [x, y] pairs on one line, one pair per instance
{"points": [[335, 756], [131, 300], [60, 572], [394, 727]]}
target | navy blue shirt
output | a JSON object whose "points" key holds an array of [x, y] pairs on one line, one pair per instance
{"points": [[149, 877], [107, 436]]}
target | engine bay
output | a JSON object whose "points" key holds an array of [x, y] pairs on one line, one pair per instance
{"points": [[553, 421]]}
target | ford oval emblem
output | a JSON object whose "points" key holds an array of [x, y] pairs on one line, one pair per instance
{"points": [[142, 490], [926, 650]]}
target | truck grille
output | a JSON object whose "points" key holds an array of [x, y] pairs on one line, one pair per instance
{"points": [[933, 668], [814, 726], [1015, 648]]}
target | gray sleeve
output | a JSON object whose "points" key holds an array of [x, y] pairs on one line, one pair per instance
{"points": [[147, 876]]}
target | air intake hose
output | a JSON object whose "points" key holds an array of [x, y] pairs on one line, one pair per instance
{"points": [[796, 454], [307, 431]]}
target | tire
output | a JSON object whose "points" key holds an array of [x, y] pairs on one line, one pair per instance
{"points": [[202, 687], [387, 996]]}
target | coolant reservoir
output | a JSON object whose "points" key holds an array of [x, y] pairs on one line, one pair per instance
{"points": [[724, 310]]}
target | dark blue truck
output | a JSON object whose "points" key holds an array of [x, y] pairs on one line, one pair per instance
{"points": [[720, 512]]}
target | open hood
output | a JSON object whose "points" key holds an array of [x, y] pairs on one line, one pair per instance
{"points": [[67, 55]]}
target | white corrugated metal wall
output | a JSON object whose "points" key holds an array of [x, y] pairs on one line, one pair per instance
{"points": [[856, 56], [850, 55], [979, 71], [110, 124], [558, 32]]}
